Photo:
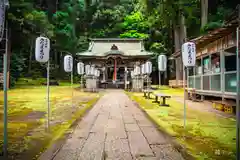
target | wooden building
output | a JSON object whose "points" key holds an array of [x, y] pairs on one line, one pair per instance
{"points": [[215, 72], [115, 58]]}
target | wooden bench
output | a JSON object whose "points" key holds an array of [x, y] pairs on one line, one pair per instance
{"points": [[226, 106], [163, 96], [147, 93]]}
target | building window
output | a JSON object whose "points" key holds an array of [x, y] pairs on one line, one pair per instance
{"points": [[206, 65], [215, 63], [230, 63]]}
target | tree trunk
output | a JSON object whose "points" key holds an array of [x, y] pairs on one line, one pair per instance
{"points": [[183, 36], [204, 12], [176, 37], [183, 30]]}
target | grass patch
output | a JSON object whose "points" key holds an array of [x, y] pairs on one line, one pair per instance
{"points": [[206, 136], [26, 117]]}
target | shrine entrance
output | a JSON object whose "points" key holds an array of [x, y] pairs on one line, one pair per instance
{"points": [[115, 59]]}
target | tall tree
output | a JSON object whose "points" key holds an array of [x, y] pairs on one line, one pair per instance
{"points": [[204, 12]]}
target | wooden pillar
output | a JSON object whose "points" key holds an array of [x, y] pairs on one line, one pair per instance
{"points": [[104, 73], [125, 77], [222, 68], [202, 72], [210, 76]]}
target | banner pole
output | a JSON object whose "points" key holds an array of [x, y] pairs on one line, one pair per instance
{"points": [[5, 90], [48, 93], [184, 104], [72, 87]]}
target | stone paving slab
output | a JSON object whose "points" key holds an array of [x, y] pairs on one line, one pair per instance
{"points": [[116, 129], [93, 148], [138, 145], [71, 149], [153, 136], [100, 123], [117, 148], [131, 127], [166, 152], [144, 123]]}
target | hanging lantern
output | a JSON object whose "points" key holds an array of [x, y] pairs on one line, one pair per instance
{"points": [[162, 63], [68, 63], [143, 69], [42, 49], [98, 73], [148, 67], [134, 71], [80, 68], [87, 69], [132, 74], [92, 70], [189, 54], [138, 70]]}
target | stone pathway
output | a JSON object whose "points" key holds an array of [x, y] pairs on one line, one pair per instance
{"points": [[116, 129]]}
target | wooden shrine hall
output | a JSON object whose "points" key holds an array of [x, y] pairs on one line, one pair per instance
{"points": [[115, 58]]}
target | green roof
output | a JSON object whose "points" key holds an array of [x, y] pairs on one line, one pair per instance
{"points": [[125, 47]]}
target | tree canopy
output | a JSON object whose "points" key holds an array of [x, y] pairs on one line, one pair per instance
{"points": [[69, 24]]}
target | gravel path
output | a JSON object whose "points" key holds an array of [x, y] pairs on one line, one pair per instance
{"points": [[116, 129]]}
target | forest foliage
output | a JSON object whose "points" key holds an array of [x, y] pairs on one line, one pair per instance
{"points": [[69, 24]]}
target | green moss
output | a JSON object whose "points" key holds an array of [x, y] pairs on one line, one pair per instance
{"points": [[206, 133], [26, 114]]}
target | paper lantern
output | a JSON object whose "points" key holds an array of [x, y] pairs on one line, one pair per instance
{"points": [[42, 49], [148, 67], [137, 70], [87, 69], [96, 72], [162, 63], [132, 74], [189, 54], [143, 68], [92, 70], [80, 68], [68, 63]]}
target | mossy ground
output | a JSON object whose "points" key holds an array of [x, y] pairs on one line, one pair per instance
{"points": [[27, 113], [207, 136]]}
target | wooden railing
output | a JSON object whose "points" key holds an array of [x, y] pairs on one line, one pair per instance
{"points": [[176, 83]]}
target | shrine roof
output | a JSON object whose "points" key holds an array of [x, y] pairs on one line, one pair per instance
{"points": [[101, 47]]}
